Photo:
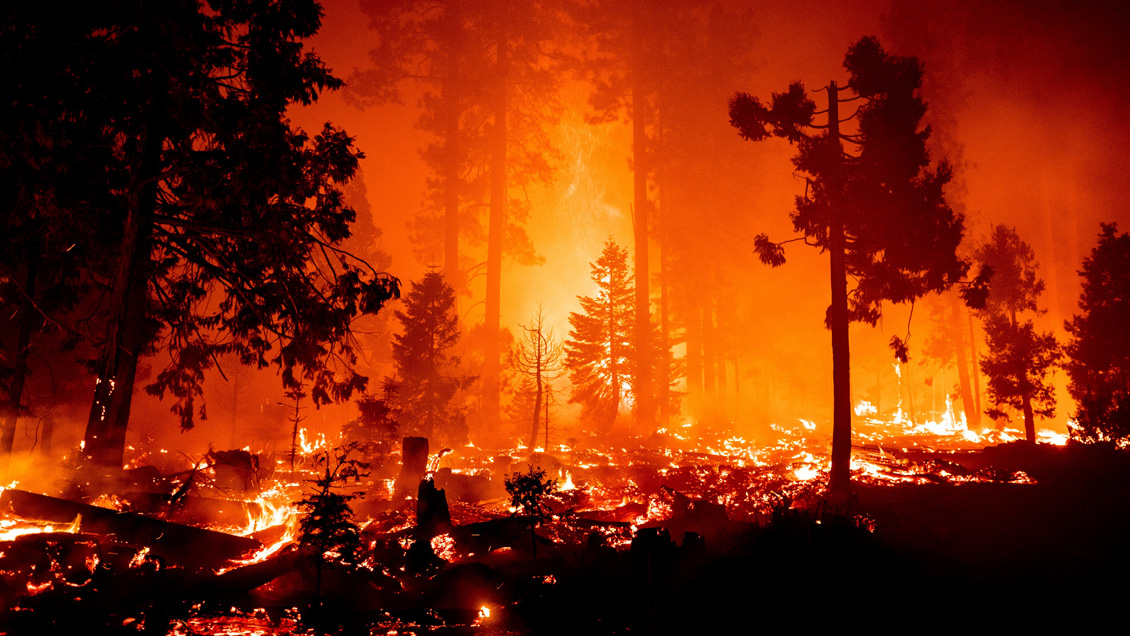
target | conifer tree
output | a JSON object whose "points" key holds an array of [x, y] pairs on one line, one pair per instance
{"points": [[328, 523], [880, 213], [427, 373], [1099, 365], [1019, 356], [600, 351]]}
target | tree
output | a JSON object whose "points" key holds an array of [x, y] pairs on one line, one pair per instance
{"points": [[528, 492], [537, 357], [427, 373], [328, 525], [56, 211], [1019, 357], [377, 431], [880, 213], [227, 221], [1099, 352], [600, 352], [625, 77], [491, 72]]}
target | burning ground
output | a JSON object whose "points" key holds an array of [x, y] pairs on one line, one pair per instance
{"points": [[667, 536]]}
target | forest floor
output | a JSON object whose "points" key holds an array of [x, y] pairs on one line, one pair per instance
{"points": [[922, 556]]}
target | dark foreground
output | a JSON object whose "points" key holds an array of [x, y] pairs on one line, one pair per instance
{"points": [[898, 557]]}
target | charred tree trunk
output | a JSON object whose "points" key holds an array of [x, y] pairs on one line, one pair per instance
{"points": [[537, 401], [644, 389], [976, 368], [972, 415], [1029, 419], [451, 151], [496, 227], [10, 411], [105, 439], [840, 478]]}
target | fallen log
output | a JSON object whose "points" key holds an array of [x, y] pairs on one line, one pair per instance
{"points": [[192, 547]]}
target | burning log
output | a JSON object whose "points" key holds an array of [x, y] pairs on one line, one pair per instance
{"points": [[182, 544]]}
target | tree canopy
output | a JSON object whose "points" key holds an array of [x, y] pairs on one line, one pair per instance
{"points": [[1019, 357], [880, 211], [600, 352], [227, 221], [1099, 352], [427, 372]]}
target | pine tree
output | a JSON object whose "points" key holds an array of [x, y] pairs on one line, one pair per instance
{"points": [[427, 373], [528, 493], [328, 524], [1019, 357], [1099, 352], [881, 214], [600, 351]]}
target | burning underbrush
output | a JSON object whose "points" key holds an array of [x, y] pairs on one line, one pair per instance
{"points": [[215, 545]]}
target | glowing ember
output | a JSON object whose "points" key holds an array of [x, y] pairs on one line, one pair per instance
{"points": [[444, 546]]}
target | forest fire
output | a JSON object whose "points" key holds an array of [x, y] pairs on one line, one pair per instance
{"points": [[537, 316]]}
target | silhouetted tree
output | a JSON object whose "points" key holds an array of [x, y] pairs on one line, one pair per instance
{"points": [[58, 201], [623, 62], [377, 431], [427, 373], [880, 213], [328, 524], [496, 68], [227, 220], [1099, 352], [528, 493], [538, 358], [1019, 357], [600, 351]]}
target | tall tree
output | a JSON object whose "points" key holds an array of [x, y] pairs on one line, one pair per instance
{"points": [[58, 196], [880, 213], [415, 41], [1099, 352], [624, 73], [600, 351], [497, 68], [1019, 357], [426, 371], [228, 219], [537, 357]]}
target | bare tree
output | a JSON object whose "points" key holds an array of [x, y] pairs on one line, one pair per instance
{"points": [[537, 357]]}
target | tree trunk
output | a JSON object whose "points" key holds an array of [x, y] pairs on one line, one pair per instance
{"points": [[1029, 420], [10, 411], [976, 370], [645, 396], [105, 439], [664, 381], [694, 354], [709, 375], [496, 227], [537, 400], [451, 151], [972, 415], [840, 478]]}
